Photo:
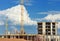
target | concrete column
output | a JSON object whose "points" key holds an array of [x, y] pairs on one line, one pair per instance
{"points": [[11, 37], [49, 38], [43, 28], [18, 36], [2, 36], [56, 25], [51, 28], [44, 38], [27, 37], [57, 38], [14, 36]]}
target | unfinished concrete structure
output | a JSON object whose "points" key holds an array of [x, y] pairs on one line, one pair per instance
{"points": [[49, 30], [30, 37]]}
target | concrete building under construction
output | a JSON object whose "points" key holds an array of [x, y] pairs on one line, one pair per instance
{"points": [[47, 28], [47, 31]]}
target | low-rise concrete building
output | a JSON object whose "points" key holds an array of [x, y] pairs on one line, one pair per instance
{"points": [[47, 31]]}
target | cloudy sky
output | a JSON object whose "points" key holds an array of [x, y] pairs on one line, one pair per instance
{"points": [[34, 11]]}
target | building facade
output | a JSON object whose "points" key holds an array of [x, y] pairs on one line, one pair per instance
{"points": [[49, 30]]}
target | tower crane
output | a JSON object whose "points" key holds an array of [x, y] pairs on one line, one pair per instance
{"points": [[6, 26], [22, 18]]}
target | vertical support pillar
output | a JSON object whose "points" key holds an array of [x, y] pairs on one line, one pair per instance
{"points": [[27, 37], [12, 37], [18, 36], [49, 38], [23, 37], [56, 38], [44, 38], [51, 32], [43, 28], [51, 28], [2, 36], [56, 25]]}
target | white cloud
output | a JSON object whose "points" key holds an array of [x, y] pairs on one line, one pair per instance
{"points": [[51, 15], [53, 18], [14, 14], [50, 12]]}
